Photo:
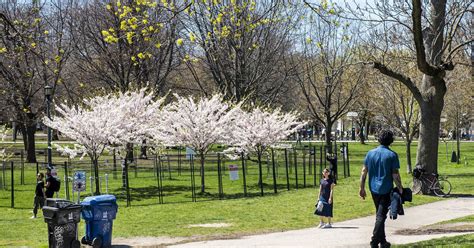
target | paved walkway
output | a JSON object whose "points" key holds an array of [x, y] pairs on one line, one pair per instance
{"points": [[356, 232]]}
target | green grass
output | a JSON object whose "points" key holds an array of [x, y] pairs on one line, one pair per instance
{"points": [[457, 241], [469, 218], [286, 210]]}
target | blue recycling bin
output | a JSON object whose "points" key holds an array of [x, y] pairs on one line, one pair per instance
{"points": [[99, 213]]}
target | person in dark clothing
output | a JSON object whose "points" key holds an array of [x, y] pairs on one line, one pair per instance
{"points": [[325, 199], [49, 182], [39, 195], [382, 165]]}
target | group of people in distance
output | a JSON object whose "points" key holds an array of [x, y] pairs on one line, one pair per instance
{"points": [[381, 165], [43, 190]]}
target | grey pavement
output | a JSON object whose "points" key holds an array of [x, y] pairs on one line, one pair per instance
{"points": [[355, 232]]}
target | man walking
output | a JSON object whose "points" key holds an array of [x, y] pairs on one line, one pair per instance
{"points": [[382, 164]]}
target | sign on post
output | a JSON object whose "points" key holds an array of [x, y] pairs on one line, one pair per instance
{"points": [[233, 172], [79, 182]]}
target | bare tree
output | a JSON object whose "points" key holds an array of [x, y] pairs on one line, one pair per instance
{"points": [[123, 48], [243, 45], [458, 103], [34, 52], [433, 32], [329, 78], [400, 111]]}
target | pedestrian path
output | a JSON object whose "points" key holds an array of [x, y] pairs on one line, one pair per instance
{"points": [[356, 232]]}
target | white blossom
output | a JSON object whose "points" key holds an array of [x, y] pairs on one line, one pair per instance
{"points": [[197, 123], [106, 121], [259, 129]]}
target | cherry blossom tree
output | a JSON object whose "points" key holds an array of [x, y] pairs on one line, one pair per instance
{"points": [[198, 124], [107, 121], [259, 129]]}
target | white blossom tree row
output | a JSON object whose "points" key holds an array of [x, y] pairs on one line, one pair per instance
{"points": [[121, 120]]}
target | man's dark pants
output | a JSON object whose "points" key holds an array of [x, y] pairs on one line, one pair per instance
{"points": [[381, 205]]}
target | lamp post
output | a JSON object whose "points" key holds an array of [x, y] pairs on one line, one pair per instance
{"points": [[48, 92], [352, 115]]}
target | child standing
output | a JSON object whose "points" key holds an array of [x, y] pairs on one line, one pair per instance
{"points": [[39, 194], [325, 199]]}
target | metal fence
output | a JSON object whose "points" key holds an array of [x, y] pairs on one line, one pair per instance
{"points": [[176, 176]]}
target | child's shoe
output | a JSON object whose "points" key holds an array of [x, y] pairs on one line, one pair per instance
{"points": [[328, 225], [321, 224]]}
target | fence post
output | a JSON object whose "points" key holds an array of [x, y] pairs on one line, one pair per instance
{"points": [[314, 165], [296, 167], [304, 168], [343, 149], [321, 161], [158, 178], [37, 168], [193, 183], [13, 185], [286, 166], [243, 173], [66, 180], [169, 166], [179, 160], [348, 163], [115, 165], [135, 162], [106, 183], [310, 167], [22, 178], [92, 181], [219, 176], [274, 175], [4, 167]]}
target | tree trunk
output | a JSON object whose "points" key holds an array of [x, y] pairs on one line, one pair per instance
{"points": [[203, 183], [30, 141], [96, 176], [362, 135], [260, 175], [143, 149], [328, 135], [433, 90], [408, 152]]}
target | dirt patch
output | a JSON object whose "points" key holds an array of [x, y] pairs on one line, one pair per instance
{"points": [[441, 228], [145, 241]]}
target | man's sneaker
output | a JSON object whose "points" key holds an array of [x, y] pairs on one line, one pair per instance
{"points": [[321, 224], [33, 217], [385, 245], [328, 225]]}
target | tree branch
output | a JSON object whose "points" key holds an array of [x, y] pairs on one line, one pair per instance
{"points": [[423, 65], [400, 77]]}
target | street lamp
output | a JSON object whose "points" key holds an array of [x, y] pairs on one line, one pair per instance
{"points": [[48, 92], [352, 115]]}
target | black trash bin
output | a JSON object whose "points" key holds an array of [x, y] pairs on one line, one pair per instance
{"points": [[62, 217]]}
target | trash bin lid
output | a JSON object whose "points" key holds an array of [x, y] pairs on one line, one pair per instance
{"points": [[58, 203], [98, 199]]}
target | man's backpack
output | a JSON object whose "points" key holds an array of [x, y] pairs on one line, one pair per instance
{"points": [[55, 184]]}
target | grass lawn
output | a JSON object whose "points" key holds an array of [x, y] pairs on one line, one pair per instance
{"points": [[274, 212], [458, 241]]}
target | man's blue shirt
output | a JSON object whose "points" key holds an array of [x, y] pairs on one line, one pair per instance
{"points": [[380, 163]]}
